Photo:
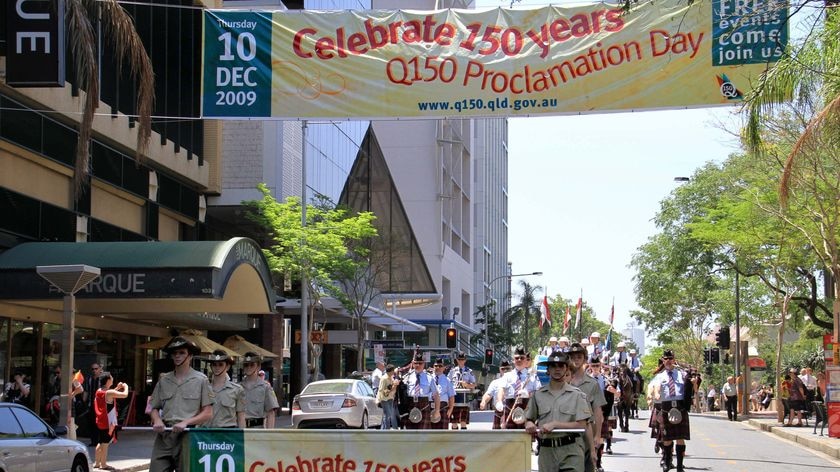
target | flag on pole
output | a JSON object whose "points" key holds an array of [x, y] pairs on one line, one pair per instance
{"points": [[608, 344], [566, 319], [612, 314], [545, 312], [579, 310]]}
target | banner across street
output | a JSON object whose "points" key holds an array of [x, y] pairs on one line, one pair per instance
{"points": [[492, 63]]}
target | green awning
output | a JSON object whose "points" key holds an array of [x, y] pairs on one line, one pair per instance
{"points": [[146, 280]]}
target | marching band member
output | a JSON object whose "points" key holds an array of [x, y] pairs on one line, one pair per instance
{"points": [[423, 394], [446, 392], [589, 386], [489, 396], [609, 388], [461, 376], [672, 389], [553, 407], [518, 387]]}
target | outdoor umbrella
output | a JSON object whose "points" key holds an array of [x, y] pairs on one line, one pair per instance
{"points": [[241, 345], [206, 345]]}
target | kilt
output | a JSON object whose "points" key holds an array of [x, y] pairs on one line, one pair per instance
{"points": [[669, 431], [606, 430], [461, 414], [426, 408], [653, 423], [444, 418], [497, 420], [523, 403]]}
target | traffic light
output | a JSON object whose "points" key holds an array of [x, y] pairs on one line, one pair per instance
{"points": [[722, 337], [488, 356], [714, 355], [707, 358], [451, 338], [726, 358]]}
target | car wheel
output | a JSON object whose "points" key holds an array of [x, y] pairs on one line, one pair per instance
{"points": [[364, 424], [80, 464]]}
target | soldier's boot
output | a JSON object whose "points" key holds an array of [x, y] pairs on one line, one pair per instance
{"points": [[680, 457]]}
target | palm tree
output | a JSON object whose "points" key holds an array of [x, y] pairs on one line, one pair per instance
{"points": [[118, 28], [518, 318]]}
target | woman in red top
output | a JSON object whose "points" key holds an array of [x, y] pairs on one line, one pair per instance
{"points": [[106, 416]]}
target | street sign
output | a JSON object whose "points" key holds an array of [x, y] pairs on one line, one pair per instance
{"points": [[316, 337], [385, 343]]}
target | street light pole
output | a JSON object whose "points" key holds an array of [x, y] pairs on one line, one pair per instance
{"points": [[490, 289]]}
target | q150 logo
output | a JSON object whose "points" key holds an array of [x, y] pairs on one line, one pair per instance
{"points": [[728, 89]]}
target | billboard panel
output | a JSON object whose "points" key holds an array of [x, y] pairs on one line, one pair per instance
{"points": [[493, 63]]}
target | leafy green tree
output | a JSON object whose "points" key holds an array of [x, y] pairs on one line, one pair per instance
{"points": [[519, 318], [332, 246]]}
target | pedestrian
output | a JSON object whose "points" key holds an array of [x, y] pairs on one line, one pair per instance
{"points": [[105, 409], [589, 386], [462, 378], [710, 397], [229, 404], [730, 396], [556, 407], [91, 385], [385, 395], [446, 392], [17, 391], [181, 399], [424, 403], [76, 405], [376, 375], [673, 388], [260, 400], [797, 399], [609, 389], [784, 395]]}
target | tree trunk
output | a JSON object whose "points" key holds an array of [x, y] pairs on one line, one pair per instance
{"points": [[780, 411]]}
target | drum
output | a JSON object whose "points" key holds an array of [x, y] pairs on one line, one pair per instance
{"points": [[463, 396]]}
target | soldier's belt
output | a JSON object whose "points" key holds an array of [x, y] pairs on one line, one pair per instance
{"points": [[558, 442], [254, 422]]}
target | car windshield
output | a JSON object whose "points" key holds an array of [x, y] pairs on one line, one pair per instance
{"points": [[332, 387]]}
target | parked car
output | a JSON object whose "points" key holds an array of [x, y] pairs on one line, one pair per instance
{"points": [[28, 444], [338, 403]]}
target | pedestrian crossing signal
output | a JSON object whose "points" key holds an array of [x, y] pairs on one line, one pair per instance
{"points": [[451, 338], [488, 356]]}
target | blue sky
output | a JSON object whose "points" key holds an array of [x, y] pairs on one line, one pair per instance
{"points": [[583, 190]]}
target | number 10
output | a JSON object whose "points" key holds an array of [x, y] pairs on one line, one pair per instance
{"points": [[241, 45], [223, 464]]}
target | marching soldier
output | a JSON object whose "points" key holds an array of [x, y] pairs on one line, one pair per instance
{"points": [[589, 386], [424, 398], [446, 392], [462, 377], [672, 391], [181, 399], [260, 400], [519, 385], [229, 407], [555, 407]]}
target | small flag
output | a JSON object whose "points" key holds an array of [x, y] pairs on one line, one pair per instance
{"points": [[545, 312], [566, 319], [79, 377], [579, 310]]}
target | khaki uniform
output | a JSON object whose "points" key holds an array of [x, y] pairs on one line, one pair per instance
{"points": [[230, 400], [595, 395], [176, 402], [567, 405], [260, 399]]}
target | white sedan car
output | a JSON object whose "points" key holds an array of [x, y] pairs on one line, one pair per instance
{"points": [[28, 444], [339, 403]]}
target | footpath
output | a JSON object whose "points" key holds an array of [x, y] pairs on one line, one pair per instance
{"points": [[133, 449], [803, 436]]}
